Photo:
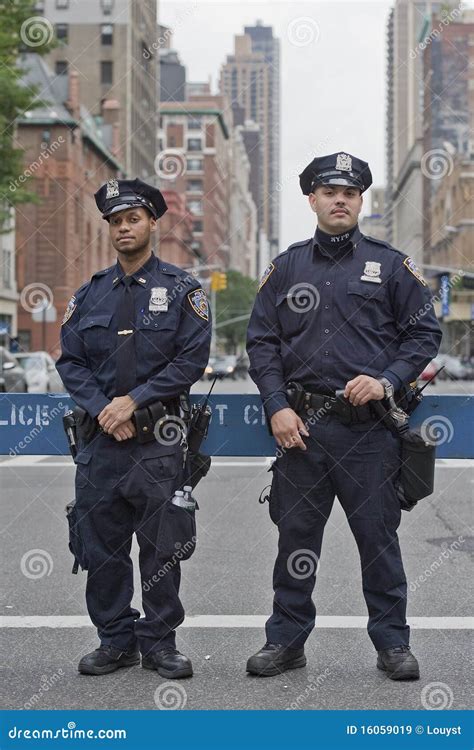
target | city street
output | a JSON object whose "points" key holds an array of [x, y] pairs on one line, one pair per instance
{"points": [[227, 593]]}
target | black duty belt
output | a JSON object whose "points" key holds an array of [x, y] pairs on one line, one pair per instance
{"points": [[318, 404]]}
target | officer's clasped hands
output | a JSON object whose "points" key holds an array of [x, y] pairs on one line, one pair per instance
{"points": [[362, 389], [116, 413], [287, 428]]}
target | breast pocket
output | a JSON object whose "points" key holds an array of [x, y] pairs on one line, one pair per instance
{"points": [[96, 334], [295, 307], [156, 335], [367, 301]]}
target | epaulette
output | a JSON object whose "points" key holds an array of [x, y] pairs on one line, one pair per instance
{"points": [[103, 272], [384, 244]]}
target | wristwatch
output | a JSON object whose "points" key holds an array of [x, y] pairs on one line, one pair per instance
{"points": [[388, 388]]}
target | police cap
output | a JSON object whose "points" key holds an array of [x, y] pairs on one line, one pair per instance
{"points": [[336, 169], [118, 195]]}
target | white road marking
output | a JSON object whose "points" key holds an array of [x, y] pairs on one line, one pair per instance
{"points": [[236, 621], [27, 462]]}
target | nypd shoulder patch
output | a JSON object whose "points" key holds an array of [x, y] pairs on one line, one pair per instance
{"points": [[198, 301], [266, 275], [71, 306], [413, 268]]}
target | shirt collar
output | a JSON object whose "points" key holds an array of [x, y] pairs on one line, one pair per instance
{"points": [[338, 252], [141, 276]]}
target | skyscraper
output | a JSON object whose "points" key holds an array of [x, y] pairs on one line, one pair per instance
{"points": [[250, 78], [112, 45]]}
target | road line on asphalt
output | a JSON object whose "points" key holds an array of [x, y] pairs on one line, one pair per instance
{"points": [[26, 462], [236, 621]]}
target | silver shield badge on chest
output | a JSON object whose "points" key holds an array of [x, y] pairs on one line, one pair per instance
{"points": [[371, 272], [158, 299]]}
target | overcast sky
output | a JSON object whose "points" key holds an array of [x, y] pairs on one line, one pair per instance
{"points": [[332, 79]]}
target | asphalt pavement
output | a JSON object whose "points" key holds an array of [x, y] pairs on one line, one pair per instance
{"points": [[227, 593]]}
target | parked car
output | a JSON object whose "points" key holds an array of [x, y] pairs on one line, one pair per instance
{"points": [[40, 371], [12, 376], [453, 368]]}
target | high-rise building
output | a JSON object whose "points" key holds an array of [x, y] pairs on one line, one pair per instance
{"points": [[62, 239], [406, 33], [194, 161], [251, 81], [172, 71], [374, 224], [112, 45], [264, 41]]}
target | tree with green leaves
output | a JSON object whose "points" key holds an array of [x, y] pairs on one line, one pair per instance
{"points": [[234, 302], [21, 31]]}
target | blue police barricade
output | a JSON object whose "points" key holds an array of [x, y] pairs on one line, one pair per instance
{"points": [[31, 424]]}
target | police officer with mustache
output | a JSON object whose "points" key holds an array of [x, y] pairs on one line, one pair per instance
{"points": [[336, 324]]}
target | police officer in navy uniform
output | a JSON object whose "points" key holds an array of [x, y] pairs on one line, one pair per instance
{"points": [[349, 313], [136, 334]]}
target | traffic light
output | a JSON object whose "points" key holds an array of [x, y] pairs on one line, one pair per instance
{"points": [[218, 281]]}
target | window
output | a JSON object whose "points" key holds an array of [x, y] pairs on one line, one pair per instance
{"points": [[62, 32], [195, 207], [61, 67], [107, 7], [7, 268], [194, 123], [107, 34], [194, 165], [106, 72], [197, 226], [194, 186], [62, 4], [194, 144]]}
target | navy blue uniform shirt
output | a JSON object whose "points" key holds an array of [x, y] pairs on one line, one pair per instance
{"points": [[172, 346], [321, 317]]}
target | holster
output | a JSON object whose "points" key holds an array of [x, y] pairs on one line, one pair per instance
{"points": [[145, 420], [417, 469]]}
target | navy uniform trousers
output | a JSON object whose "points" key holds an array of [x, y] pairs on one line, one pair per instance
{"points": [[121, 489], [358, 463]]}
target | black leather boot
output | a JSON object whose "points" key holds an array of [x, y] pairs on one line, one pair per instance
{"points": [[273, 659], [399, 663], [107, 659], [168, 662]]}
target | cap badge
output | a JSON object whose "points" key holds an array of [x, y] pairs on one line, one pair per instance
{"points": [[112, 189], [344, 162]]}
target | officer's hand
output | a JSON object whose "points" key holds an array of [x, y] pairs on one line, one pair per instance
{"points": [[286, 428], [125, 431], [116, 413], [362, 389]]}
